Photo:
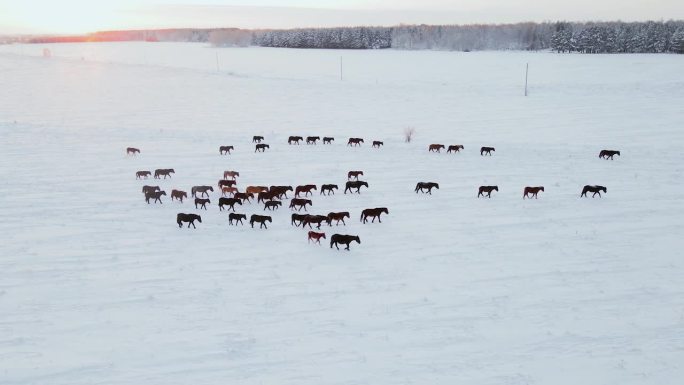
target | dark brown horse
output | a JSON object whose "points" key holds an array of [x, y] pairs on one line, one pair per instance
{"points": [[377, 143], [281, 191], [312, 139], [226, 183], [354, 141], [132, 151], [337, 217], [148, 189], [593, 189], [202, 202], [455, 148], [243, 196], [297, 218], [316, 219], [487, 150], [190, 218], [354, 174], [343, 239], [156, 195], [435, 147], [262, 219], [355, 184], [316, 237], [608, 154], [257, 139], [300, 203], [329, 188], [328, 140], [294, 139], [230, 202], [237, 218], [261, 147], [530, 192], [426, 186], [373, 213], [142, 174], [179, 195], [200, 189], [225, 149], [163, 171], [272, 205], [306, 189], [265, 196], [487, 189], [230, 174]]}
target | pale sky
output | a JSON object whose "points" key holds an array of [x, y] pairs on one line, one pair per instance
{"points": [[82, 16]]}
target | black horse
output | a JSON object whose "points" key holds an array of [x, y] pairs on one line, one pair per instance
{"points": [[237, 218], [608, 154], [329, 188], [593, 189], [487, 150], [355, 184], [156, 195], [487, 189], [190, 218], [328, 140], [374, 213], [426, 186], [343, 239], [262, 219], [257, 139], [230, 202], [225, 149], [312, 139], [261, 147]]}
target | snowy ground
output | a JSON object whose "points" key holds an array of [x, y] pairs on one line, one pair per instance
{"points": [[99, 287]]}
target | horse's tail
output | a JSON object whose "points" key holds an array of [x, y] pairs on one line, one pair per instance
{"points": [[361, 218]]}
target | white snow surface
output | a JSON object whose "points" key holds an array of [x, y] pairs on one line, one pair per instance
{"points": [[98, 287]]}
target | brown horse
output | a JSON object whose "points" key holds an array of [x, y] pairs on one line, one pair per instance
{"points": [[593, 189], [374, 213], [262, 219], [142, 174], [301, 203], [156, 195], [487, 189], [487, 150], [225, 149], [306, 189], [226, 183], [243, 196], [163, 171], [338, 217], [147, 189], [328, 140], [261, 147], [297, 218], [230, 174], [355, 184], [530, 192], [200, 189], [281, 191], [316, 237], [343, 239], [377, 143], [230, 202], [179, 195], [354, 174], [265, 196], [317, 219], [294, 139], [228, 191], [255, 189], [454, 148], [608, 154], [354, 141], [132, 151], [190, 218], [329, 188], [272, 205], [426, 186], [202, 202], [435, 147], [257, 139], [312, 139], [237, 218]]}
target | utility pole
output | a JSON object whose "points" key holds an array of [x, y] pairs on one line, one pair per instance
{"points": [[527, 69]]}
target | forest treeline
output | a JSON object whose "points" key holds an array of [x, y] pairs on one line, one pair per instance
{"points": [[585, 37]]}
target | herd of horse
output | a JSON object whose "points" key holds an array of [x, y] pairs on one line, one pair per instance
{"points": [[272, 196]]}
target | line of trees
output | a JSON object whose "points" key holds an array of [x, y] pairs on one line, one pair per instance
{"points": [[599, 37]]}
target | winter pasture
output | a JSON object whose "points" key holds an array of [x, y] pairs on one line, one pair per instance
{"points": [[98, 287]]}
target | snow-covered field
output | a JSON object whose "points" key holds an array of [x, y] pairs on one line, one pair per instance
{"points": [[97, 287]]}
